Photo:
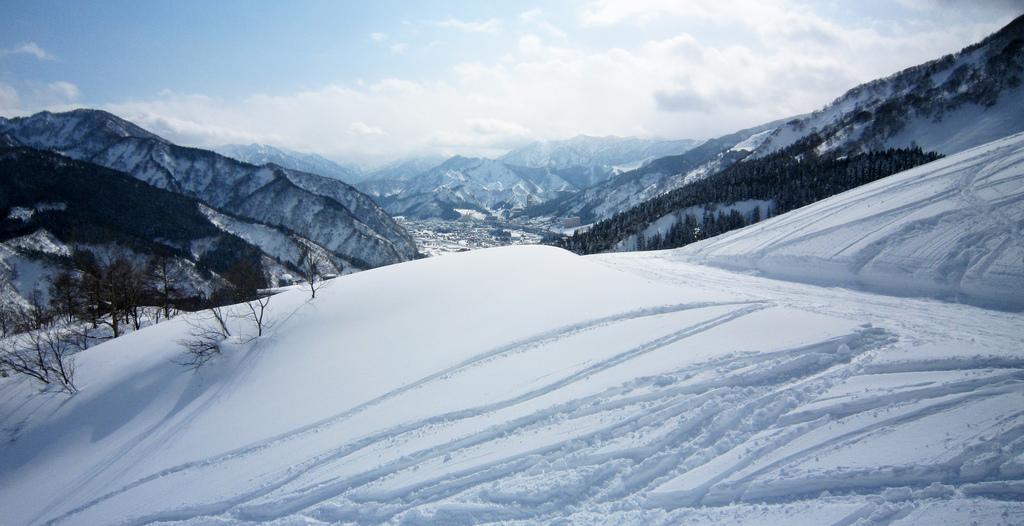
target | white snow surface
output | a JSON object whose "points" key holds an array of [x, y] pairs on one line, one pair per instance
{"points": [[529, 385], [953, 228], [753, 142]]}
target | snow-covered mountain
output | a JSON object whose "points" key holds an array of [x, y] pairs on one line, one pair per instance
{"points": [[530, 385], [403, 169], [326, 211], [596, 158], [650, 180], [485, 185], [52, 206], [945, 105], [260, 154], [527, 176]]}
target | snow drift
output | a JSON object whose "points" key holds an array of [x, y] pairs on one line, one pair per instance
{"points": [[953, 228]]}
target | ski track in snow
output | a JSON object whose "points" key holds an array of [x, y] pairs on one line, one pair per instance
{"points": [[951, 229], [672, 446]]}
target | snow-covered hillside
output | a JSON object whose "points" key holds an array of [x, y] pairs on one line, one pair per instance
{"points": [[526, 383], [261, 154], [945, 105], [52, 207], [325, 211], [952, 228]]}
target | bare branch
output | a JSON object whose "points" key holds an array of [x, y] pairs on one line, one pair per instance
{"points": [[205, 336]]}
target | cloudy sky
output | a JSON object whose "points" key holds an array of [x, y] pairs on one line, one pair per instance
{"points": [[375, 80]]}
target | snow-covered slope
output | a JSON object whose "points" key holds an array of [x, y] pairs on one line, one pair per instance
{"points": [[326, 211], [260, 154], [952, 228], [526, 383]]}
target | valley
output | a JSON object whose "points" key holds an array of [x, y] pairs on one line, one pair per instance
{"points": [[436, 237]]}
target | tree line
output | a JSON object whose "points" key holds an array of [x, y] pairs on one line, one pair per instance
{"points": [[789, 179], [103, 296]]}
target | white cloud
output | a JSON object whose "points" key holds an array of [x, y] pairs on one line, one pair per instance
{"points": [[491, 25], [531, 15], [989, 5], [497, 127], [378, 37], [29, 48], [399, 48], [64, 90], [361, 128], [782, 62]]}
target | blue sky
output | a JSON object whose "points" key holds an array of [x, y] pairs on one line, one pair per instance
{"points": [[367, 81]]}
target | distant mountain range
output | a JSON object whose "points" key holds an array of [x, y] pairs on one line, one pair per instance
{"points": [[404, 169], [484, 185], [270, 210], [606, 154], [435, 187], [260, 154], [525, 177]]}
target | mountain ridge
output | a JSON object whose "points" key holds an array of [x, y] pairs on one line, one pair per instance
{"points": [[945, 105], [260, 154], [327, 211], [52, 206], [527, 176]]}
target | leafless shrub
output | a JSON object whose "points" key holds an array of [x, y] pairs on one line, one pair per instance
{"points": [[257, 311], [205, 337], [311, 265], [164, 278], [44, 355]]}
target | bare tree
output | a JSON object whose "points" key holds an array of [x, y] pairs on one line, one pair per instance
{"points": [[205, 337], [311, 268], [20, 357], [64, 296], [134, 293], [10, 320], [91, 286], [164, 278], [113, 290], [59, 344], [39, 315], [123, 284], [257, 310], [44, 354]]}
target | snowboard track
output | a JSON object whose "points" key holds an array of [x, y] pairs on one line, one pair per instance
{"points": [[721, 418]]}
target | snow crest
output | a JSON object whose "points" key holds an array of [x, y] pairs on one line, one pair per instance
{"points": [[951, 229]]}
